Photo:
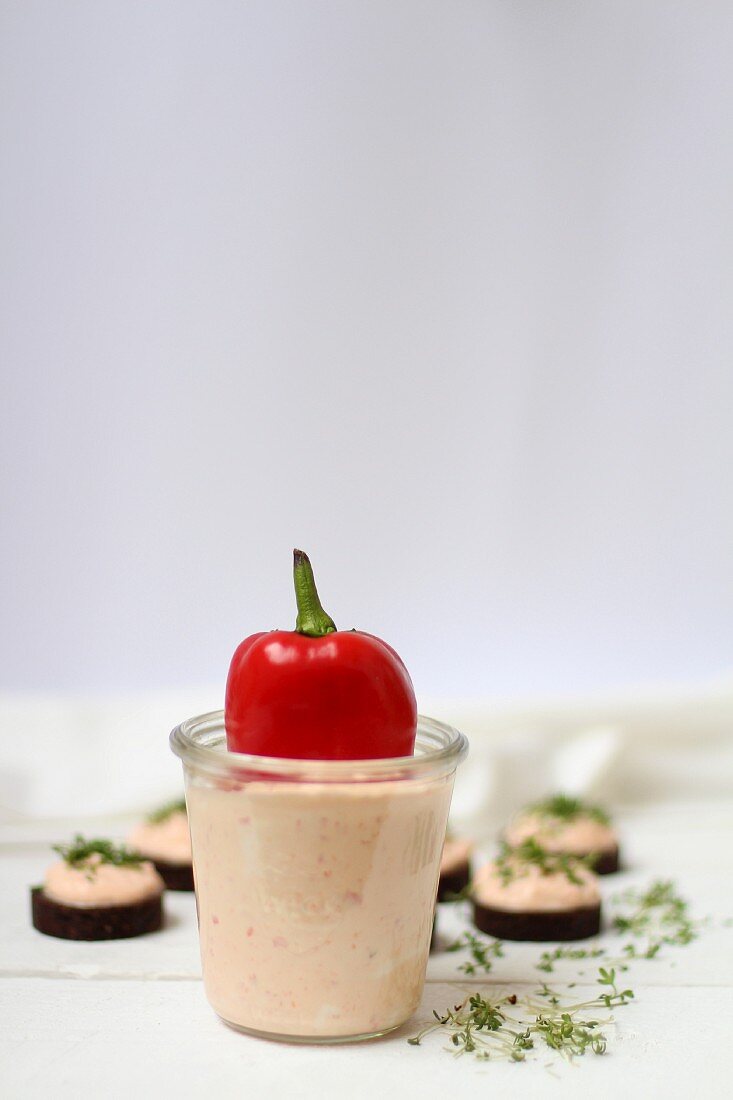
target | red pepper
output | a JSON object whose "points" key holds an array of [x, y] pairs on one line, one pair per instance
{"points": [[318, 693]]}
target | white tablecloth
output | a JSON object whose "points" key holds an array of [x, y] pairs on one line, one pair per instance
{"points": [[130, 1017]]}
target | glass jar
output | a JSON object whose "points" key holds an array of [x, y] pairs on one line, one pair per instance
{"points": [[315, 881]]}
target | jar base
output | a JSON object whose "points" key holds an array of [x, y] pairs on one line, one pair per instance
{"points": [[312, 1040]]}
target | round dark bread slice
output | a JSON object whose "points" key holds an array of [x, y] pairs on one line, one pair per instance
{"points": [[607, 863], [452, 882], [539, 927], [568, 924], [176, 876], [111, 922]]}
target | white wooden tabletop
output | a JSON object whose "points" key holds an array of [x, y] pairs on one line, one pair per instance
{"points": [[130, 1017]]}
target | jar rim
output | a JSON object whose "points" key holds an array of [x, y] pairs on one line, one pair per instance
{"points": [[198, 743]]}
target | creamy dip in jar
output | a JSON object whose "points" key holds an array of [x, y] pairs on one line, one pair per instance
{"points": [[316, 881]]}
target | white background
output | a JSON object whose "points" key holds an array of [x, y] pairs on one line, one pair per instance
{"points": [[440, 291]]}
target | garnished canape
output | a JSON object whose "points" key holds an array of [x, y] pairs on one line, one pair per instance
{"points": [[562, 823], [164, 839], [529, 893], [455, 867], [98, 890]]}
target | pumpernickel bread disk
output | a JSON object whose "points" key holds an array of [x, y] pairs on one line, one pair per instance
{"points": [[111, 922], [176, 876], [568, 924], [453, 882], [164, 838], [606, 863], [455, 868], [528, 893], [566, 824]]}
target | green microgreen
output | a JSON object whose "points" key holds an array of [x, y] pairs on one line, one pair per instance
{"points": [[513, 1026], [657, 915], [483, 952], [177, 806], [549, 958], [565, 807], [512, 860], [615, 997], [78, 853]]}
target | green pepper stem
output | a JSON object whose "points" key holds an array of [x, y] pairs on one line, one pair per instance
{"points": [[312, 619]]}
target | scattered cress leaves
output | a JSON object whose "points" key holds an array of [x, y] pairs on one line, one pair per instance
{"points": [[608, 977], [549, 958], [566, 808], [657, 915], [511, 861], [78, 853], [513, 1026], [483, 952]]}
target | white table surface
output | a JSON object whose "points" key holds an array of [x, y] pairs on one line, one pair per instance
{"points": [[113, 1019]]}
